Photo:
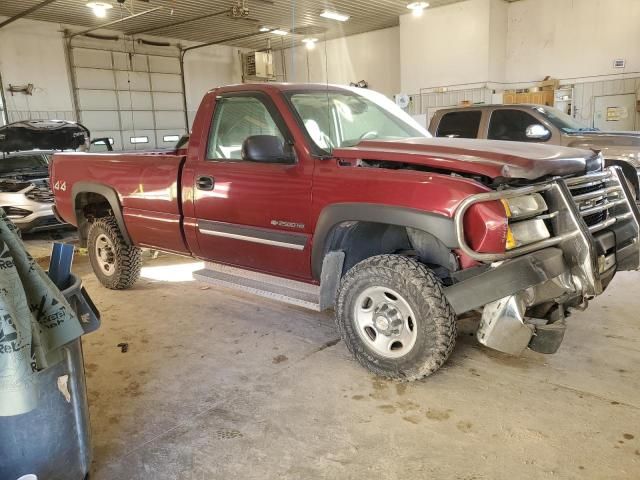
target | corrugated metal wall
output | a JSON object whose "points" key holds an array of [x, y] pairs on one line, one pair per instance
{"points": [[585, 93], [427, 103]]}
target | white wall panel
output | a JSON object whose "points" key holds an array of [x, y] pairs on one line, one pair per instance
{"points": [[169, 120], [132, 81], [164, 82], [167, 101], [100, 120], [126, 62], [97, 100], [91, 78], [137, 120], [164, 65], [83, 57], [135, 100]]}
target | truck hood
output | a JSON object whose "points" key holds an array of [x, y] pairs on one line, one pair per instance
{"points": [[490, 158], [613, 145], [43, 135], [605, 139]]}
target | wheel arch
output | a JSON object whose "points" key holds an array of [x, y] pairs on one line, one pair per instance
{"points": [[337, 229], [85, 194]]}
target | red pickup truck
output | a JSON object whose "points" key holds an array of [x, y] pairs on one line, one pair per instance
{"points": [[333, 197]]}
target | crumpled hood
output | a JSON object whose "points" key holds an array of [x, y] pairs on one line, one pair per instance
{"points": [[490, 158]]}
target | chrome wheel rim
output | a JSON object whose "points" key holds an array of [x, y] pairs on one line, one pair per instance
{"points": [[105, 255], [385, 322]]}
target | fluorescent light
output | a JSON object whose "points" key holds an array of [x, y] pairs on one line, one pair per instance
{"points": [[341, 17], [279, 32], [310, 42], [417, 8], [265, 29], [99, 8]]}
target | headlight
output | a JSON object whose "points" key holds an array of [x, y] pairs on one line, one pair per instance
{"points": [[525, 207], [523, 228], [526, 232]]}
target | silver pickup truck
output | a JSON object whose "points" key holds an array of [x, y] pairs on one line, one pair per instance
{"points": [[540, 124]]}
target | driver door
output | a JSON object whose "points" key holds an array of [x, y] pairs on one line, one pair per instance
{"points": [[252, 214]]}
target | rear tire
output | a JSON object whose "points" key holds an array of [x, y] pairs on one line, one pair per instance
{"points": [[116, 263], [394, 318]]}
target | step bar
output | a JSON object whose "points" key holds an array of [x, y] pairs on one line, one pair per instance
{"points": [[306, 295]]}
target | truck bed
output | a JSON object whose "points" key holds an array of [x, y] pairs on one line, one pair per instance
{"points": [[146, 184]]}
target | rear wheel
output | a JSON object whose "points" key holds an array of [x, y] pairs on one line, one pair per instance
{"points": [[116, 263], [394, 317]]}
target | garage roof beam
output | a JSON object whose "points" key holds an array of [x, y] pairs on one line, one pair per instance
{"points": [[26, 12]]}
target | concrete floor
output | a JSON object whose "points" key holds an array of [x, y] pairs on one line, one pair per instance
{"points": [[222, 385]]}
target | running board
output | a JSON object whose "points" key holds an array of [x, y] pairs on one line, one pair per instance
{"points": [[276, 288]]}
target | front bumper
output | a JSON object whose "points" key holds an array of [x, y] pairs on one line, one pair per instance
{"points": [[525, 290]]}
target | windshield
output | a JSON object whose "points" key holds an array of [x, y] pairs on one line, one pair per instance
{"points": [[343, 118], [564, 122], [22, 163]]}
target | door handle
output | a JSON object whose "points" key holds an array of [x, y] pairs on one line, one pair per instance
{"points": [[205, 183]]}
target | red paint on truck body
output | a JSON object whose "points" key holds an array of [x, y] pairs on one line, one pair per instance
{"points": [[162, 208]]}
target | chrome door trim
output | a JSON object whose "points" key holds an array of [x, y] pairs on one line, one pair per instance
{"points": [[292, 241]]}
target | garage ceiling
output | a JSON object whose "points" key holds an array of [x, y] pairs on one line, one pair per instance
{"points": [[192, 20]]}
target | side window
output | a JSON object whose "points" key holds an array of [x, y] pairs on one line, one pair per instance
{"points": [[512, 125], [235, 119], [460, 124]]}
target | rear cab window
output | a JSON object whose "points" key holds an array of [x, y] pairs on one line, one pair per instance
{"points": [[460, 124]]}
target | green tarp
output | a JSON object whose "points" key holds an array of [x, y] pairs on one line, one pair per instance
{"points": [[35, 321]]}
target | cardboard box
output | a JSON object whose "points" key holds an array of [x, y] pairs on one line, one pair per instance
{"points": [[549, 84]]}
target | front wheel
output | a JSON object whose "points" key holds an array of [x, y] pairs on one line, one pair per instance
{"points": [[394, 318], [116, 263]]}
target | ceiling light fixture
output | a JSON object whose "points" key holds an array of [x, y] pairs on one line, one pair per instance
{"points": [[265, 29], [279, 32], [417, 8], [99, 8], [341, 17], [310, 42]]}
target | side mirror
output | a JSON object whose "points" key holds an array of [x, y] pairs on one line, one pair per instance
{"points": [[267, 149], [537, 132]]}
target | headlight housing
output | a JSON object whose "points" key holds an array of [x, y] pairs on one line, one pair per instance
{"points": [[525, 207], [523, 228]]}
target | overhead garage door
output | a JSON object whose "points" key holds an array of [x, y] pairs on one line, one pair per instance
{"points": [[133, 98]]}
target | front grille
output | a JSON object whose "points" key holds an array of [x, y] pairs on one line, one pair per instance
{"points": [[600, 198], [595, 218], [594, 187], [41, 192], [596, 200], [588, 197]]}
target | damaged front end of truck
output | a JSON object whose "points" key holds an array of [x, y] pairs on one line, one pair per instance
{"points": [[579, 231]]}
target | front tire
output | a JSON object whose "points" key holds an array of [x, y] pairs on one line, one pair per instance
{"points": [[115, 263], [394, 318]]}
